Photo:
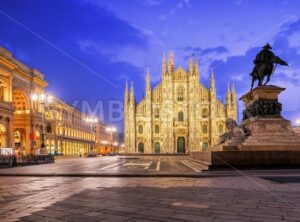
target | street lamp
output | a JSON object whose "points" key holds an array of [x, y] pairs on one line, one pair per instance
{"points": [[111, 130], [91, 120], [43, 99], [298, 121]]}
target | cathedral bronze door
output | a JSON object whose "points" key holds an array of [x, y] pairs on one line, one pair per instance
{"points": [[180, 145], [156, 147], [141, 147]]}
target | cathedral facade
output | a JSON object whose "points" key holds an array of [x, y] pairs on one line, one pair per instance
{"points": [[179, 115]]}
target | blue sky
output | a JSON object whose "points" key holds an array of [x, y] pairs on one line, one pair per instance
{"points": [[87, 49]]}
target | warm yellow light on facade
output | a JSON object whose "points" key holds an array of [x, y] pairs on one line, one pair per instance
{"points": [[298, 121], [91, 120], [104, 142], [34, 97], [41, 97], [111, 129], [115, 144], [2, 129]]}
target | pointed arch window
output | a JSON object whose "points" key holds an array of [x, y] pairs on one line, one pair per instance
{"points": [[180, 116], [204, 129], [156, 129], [180, 94], [140, 129]]}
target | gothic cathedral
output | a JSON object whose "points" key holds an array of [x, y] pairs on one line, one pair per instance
{"points": [[178, 116]]}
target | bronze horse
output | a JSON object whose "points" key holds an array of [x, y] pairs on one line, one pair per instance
{"points": [[266, 69]]}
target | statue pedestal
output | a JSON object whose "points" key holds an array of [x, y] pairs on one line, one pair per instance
{"points": [[271, 142], [262, 116]]}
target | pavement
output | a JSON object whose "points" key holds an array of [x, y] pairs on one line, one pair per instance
{"points": [[253, 195], [111, 166]]}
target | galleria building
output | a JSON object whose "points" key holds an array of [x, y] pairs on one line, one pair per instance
{"points": [[177, 116], [21, 117]]}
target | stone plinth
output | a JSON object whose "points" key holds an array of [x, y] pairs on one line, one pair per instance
{"points": [[271, 141], [262, 116], [270, 134], [263, 102]]}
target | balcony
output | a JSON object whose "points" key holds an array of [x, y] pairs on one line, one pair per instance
{"points": [[181, 124]]}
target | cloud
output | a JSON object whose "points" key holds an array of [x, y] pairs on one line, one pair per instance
{"points": [[237, 67], [174, 10]]}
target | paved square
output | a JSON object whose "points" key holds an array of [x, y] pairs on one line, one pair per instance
{"points": [[213, 196]]}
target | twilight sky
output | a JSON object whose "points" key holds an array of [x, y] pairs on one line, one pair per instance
{"points": [[87, 49]]}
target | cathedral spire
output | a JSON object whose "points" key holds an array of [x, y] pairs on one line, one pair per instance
{"points": [[196, 67], [228, 101], [233, 98], [126, 94], [132, 99], [190, 66], [233, 89], [148, 87], [171, 63], [212, 81], [164, 65]]}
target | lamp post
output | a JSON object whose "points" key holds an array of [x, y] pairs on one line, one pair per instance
{"points": [[111, 130], [92, 121], [43, 99]]}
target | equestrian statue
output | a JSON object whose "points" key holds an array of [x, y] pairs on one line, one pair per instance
{"points": [[265, 65]]}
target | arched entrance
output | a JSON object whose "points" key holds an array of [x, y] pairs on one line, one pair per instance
{"points": [[21, 120], [3, 136], [204, 146], [19, 139], [141, 147], [180, 145], [157, 147]]}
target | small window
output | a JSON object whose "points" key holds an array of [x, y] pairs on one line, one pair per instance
{"points": [[140, 129], [180, 116], [204, 129], [156, 129]]}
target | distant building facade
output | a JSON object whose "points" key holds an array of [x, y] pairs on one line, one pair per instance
{"points": [[67, 133], [105, 141], [177, 116]]}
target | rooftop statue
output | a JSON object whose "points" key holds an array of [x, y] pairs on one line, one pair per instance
{"points": [[265, 65]]}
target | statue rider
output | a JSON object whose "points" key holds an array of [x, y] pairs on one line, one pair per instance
{"points": [[265, 65], [264, 56]]}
